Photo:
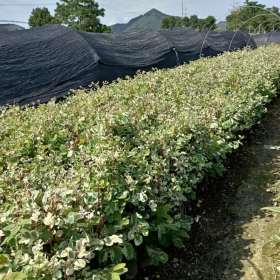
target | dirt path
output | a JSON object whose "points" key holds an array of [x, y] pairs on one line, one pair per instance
{"points": [[227, 241]]}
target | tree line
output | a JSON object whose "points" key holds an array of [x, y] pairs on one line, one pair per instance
{"points": [[193, 21], [84, 15], [81, 15], [254, 17]]}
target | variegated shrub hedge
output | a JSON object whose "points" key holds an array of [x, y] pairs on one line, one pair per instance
{"points": [[86, 182]]}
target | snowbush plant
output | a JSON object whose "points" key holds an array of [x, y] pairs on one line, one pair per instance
{"points": [[85, 183]]}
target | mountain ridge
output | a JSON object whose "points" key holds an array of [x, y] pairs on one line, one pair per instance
{"points": [[150, 21]]}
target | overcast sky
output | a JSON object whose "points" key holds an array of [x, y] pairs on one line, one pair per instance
{"points": [[119, 11]]}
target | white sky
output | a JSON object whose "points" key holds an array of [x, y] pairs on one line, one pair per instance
{"points": [[119, 11]]}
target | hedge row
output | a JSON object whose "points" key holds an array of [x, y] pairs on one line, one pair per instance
{"points": [[85, 183]]}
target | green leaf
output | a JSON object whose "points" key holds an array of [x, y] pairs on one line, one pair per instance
{"points": [[15, 276], [4, 261], [138, 239], [162, 213], [120, 268], [71, 217], [178, 242], [115, 276], [128, 251], [272, 209], [116, 254], [103, 257], [157, 256]]}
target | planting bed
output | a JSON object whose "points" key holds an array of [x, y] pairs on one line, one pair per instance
{"points": [[89, 184]]}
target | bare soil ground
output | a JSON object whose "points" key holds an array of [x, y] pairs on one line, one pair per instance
{"points": [[227, 241]]}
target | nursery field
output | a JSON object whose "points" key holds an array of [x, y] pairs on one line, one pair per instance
{"points": [[94, 183], [234, 236]]}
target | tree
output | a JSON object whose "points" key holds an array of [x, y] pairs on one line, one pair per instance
{"points": [[82, 15], [193, 21], [208, 23], [169, 22], [254, 17], [186, 22], [40, 17]]}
